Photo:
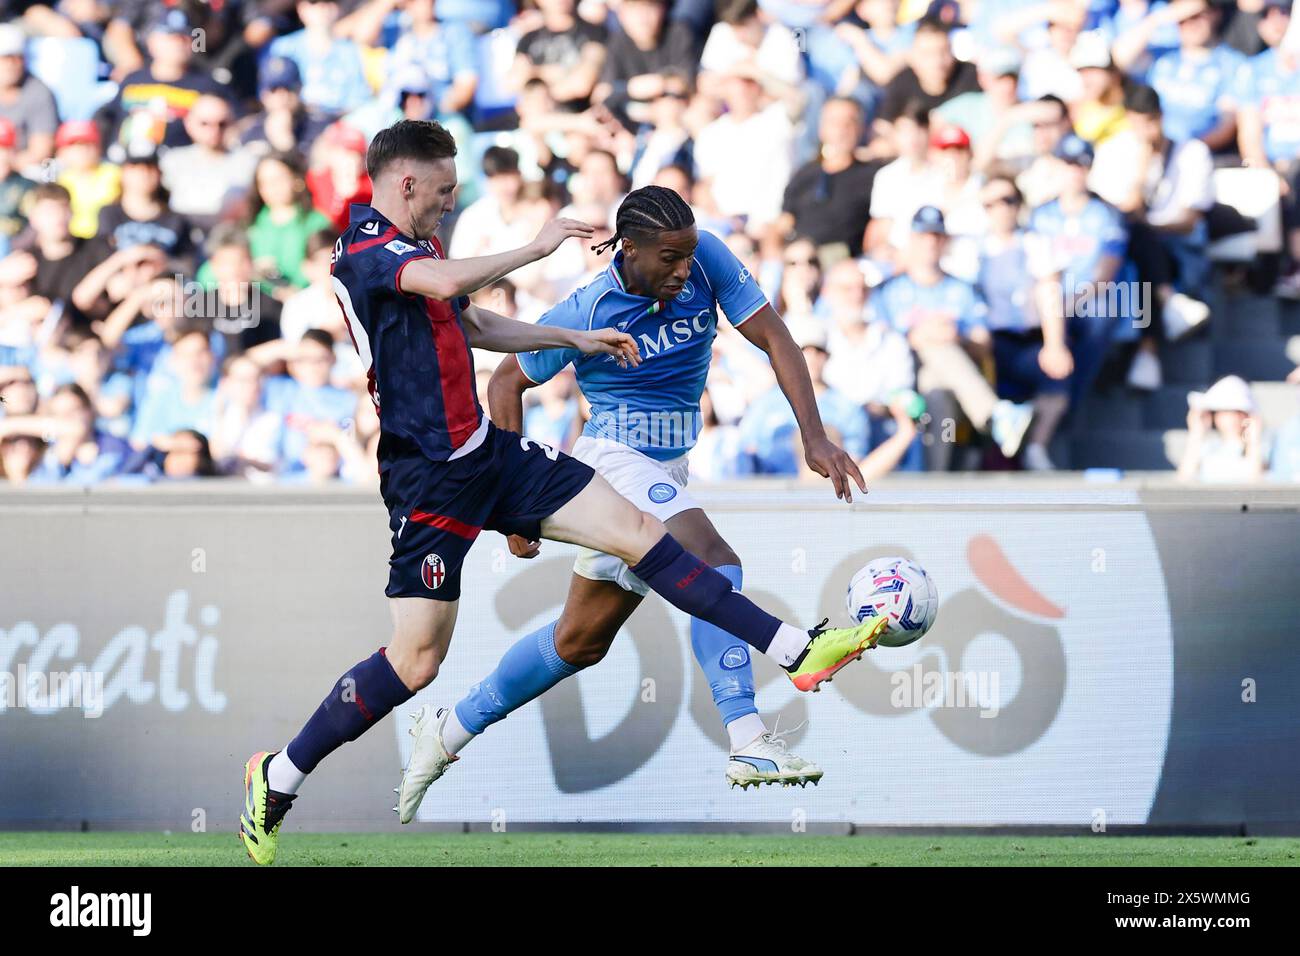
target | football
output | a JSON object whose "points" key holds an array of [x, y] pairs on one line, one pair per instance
{"points": [[898, 589]]}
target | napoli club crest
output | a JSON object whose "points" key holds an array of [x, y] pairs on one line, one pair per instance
{"points": [[688, 290], [433, 571], [661, 492]]}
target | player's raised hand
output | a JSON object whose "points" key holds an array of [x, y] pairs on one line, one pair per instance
{"points": [[612, 342], [521, 547], [831, 461], [557, 230]]}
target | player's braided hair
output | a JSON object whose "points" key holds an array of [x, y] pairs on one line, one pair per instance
{"points": [[646, 211]]}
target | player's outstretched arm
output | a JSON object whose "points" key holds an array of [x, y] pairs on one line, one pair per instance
{"points": [[451, 278], [496, 333], [766, 330]]}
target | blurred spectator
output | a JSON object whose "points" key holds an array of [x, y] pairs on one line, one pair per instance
{"points": [[829, 199], [88, 364], [904, 185], [25, 101], [801, 279], [184, 401], [1195, 82], [79, 453], [246, 437], [1039, 179], [743, 37], [20, 456], [643, 48], [61, 259], [1047, 65], [338, 177], [333, 78], [946, 324], [769, 432], [565, 52], [1098, 110], [747, 154], [1076, 247], [91, 183], [242, 310], [281, 219], [156, 97], [1268, 97], [15, 189], [202, 177], [143, 215], [1165, 190], [666, 140], [443, 50], [316, 307], [186, 455], [492, 223], [284, 123], [1224, 444], [986, 114], [876, 43], [932, 76], [305, 396], [18, 395], [856, 345], [958, 199], [1032, 358]]}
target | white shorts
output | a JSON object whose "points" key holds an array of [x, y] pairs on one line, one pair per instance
{"points": [[658, 487]]}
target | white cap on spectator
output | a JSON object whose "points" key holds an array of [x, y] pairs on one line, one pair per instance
{"points": [[1090, 50], [807, 332], [1229, 394], [12, 40]]}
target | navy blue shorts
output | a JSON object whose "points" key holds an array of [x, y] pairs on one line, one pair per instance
{"points": [[437, 508]]}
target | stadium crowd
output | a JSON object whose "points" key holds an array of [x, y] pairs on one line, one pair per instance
{"points": [[944, 200]]}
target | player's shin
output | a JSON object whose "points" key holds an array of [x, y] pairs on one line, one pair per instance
{"points": [[725, 662], [690, 585], [360, 698], [529, 669]]}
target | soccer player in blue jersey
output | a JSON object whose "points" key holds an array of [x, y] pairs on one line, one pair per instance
{"points": [[667, 286], [447, 472]]}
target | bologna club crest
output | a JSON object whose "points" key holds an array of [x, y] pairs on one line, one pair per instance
{"points": [[433, 571]]}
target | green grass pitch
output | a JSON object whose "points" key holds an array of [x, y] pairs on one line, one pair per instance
{"points": [[584, 849]]}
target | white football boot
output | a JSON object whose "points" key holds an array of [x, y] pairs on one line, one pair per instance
{"points": [[767, 759], [429, 759]]}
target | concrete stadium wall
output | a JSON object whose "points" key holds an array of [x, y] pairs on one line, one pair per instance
{"points": [[1127, 652]]}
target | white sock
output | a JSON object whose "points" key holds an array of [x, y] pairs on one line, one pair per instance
{"points": [[454, 736], [745, 730], [282, 775], [787, 644]]}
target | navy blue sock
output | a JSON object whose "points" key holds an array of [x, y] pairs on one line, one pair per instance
{"points": [[689, 584], [362, 696]]}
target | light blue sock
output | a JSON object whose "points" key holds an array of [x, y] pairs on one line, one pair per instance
{"points": [[725, 661], [529, 669]]}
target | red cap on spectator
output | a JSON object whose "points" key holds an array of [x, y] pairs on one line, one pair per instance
{"points": [[8, 134], [346, 137], [76, 131], [950, 137]]}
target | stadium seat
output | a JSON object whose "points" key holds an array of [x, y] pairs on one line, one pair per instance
{"points": [[69, 66]]}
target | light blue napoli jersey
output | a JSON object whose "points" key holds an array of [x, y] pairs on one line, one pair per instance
{"points": [[654, 407]]}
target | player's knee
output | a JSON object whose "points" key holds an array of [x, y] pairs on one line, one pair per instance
{"points": [[581, 646], [720, 555], [645, 535]]}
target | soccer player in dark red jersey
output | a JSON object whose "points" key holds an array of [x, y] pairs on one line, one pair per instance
{"points": [[447, 473]]}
